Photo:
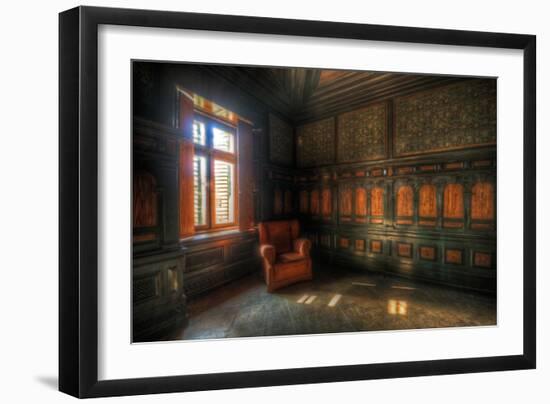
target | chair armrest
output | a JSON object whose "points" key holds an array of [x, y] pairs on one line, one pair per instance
{"points": [[302, 246], [267, 251]]}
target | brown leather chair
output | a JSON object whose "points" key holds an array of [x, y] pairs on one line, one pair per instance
{"points": [[285, 257]]}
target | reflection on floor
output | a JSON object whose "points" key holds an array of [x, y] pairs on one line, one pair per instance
{"points": [[342, 302]]}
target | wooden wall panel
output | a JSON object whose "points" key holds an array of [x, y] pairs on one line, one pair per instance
{"points": [[445, 118], [345, 202], [483, 201], [360, 245], [405, 201], [482, 259], [314, 203], [427, 201], [376, 246], [145, 200], [315, 143], [246, 176], [404, 250], [362, 134], [326, 202], [377, 201], [281, 141], [453, 201], [453, 256], [360, 204], [427, 253]]}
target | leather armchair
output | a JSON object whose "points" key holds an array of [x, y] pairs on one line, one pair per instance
{"points": [[285, 257]]}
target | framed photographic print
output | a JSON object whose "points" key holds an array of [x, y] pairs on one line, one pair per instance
{"points": [[251, 201]]}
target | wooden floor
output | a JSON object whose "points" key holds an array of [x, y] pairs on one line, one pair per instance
{"points": [[335, 301]]}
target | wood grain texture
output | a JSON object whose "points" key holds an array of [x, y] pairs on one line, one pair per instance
{"points": [[405, 201], [186, 189], [360, 202], [314, 202], [344, 242], [453, 256], [376, 246], [427, 201], [246, 176], [360, 245], [144, 200], [345, 201], [453, 201], [482, 259], [186, 154], [404, 250], [483, 201], [377, 201], [326, 202], [427, 253]]}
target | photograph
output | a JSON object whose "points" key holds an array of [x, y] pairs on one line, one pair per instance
{"points": [[272, 201]]}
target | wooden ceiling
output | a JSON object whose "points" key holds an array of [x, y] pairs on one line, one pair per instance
{"points": [[303, 95]]}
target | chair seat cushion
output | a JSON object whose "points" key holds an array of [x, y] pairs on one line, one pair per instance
{"points": [[290, 257]]}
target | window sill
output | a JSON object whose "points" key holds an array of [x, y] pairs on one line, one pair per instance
{"points": [[215, 236]]}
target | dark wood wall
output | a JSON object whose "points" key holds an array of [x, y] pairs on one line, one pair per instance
{"points": [[405, 186], [166, 270]]}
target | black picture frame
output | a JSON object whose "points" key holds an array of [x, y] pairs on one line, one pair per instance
{"points": [[78, 201]]}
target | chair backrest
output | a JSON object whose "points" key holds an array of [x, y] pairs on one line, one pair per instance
{"points": [[279, 233]]}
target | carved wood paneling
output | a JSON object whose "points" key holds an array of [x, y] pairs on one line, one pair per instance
{"points": [[314, 202], [404, 250], [427, 201], [405, 201], [344, 242], [281, 141], [482, 259], [360, 203], [376, 246], [377, 201], [362, 134], [453, 201], [427, 253], [145, 200], [326, 202], [345, 202], [360, 245], [451, 117], [483, 201], [453, 256], [304, 201], [315, 143]]}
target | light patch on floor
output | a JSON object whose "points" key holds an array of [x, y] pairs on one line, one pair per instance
{"points": [[311, 299], [363, 284], [334, 301], [302, 299], [403, 287]]}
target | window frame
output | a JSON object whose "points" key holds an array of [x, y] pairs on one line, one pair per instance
{"points": [[211, 155]]}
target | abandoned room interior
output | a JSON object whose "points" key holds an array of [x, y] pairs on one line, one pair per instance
{"points": [[272, 201]]}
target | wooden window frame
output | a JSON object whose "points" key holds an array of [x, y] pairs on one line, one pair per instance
{"points": [[211, 154]]}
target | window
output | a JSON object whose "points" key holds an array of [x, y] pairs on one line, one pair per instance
{"points": [[214, 174]]}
